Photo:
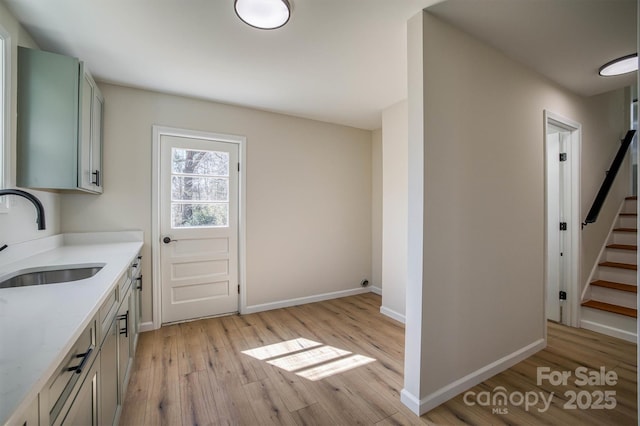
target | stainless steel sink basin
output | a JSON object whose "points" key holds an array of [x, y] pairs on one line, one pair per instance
{"points": [[49, 275]]}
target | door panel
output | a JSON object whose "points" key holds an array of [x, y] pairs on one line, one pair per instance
{"points": [[199, 227], [553, 233]]}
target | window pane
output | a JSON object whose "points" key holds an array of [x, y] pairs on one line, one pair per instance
{"points": [[197, 162], [185, 188], [199, 215]]}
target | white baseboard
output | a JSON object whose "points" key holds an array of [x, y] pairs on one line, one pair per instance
{"points": [[431, 401], [146, 326], [392, 314], [303, 300], [609, 331], [376, 290]]}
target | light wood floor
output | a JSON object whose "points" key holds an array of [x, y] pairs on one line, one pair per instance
{"points": [[197, 374]]}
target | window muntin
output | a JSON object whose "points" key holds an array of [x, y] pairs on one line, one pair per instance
{"points": [[199, 188]]}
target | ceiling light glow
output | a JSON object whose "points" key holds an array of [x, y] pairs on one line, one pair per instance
{"points": [[620, 66], [263, 14]]}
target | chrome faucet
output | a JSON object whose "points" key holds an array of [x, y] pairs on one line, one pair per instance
{"points": [[31, 198]]}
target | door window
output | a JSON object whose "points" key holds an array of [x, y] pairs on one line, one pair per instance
{"points": [[199, 188]]}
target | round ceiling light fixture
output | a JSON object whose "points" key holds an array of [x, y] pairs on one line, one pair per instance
{"points": [[263, 14], [620, 66]]}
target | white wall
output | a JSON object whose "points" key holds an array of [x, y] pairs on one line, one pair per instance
{"points": [[376, 211], [476, 207], [19, 223], [395, 159], [308, 191]]}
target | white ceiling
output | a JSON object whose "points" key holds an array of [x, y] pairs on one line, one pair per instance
{"points": [[340, 61]]}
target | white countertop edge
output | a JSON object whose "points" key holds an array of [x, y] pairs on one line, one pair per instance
{"points": [[51, 243]]}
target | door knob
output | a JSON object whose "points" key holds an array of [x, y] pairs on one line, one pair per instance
{"points": [[167, 240]]}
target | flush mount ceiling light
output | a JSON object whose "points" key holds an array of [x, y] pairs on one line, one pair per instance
{"points": [[620, 66], [263, 14]]}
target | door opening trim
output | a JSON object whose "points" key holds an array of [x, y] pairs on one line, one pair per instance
{"points": [[157, 132], [573, 225]]}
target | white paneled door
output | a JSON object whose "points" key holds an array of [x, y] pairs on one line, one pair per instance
{"points": [[198, 227]]}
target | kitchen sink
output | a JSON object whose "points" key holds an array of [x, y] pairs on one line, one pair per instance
{"points": [[49, 275]]}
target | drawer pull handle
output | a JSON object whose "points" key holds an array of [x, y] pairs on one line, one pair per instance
{"points": [[85, 357], [139, 279], [125, 329]]}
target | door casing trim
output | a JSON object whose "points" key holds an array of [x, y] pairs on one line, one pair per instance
{"points": [[573, 225], [157, 132]]}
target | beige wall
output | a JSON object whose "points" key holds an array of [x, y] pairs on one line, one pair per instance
{"points": [[308, 191], [19, 223], [376, 210], [476, 124], [394, 209]]}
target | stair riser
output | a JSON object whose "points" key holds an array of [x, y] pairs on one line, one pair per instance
{"points": [[624, 276], [621, 256], [625, 325], [624, 237], [614, 297], [630, 206], [627, 221]]}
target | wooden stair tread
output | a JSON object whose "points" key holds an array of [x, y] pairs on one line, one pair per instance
{"points": [[619, 265], [616, 286], [623, 247], [625, 230], [622, 310]]}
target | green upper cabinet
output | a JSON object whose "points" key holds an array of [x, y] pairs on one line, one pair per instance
{"points": [[59, 133]]}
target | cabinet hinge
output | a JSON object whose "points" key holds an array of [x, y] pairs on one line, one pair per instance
{"points": [[563, 295], [238, 166], [563, 156], [563, 226]]}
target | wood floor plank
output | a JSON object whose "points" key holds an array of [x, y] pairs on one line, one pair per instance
{"points": [[267, 404], [163, 407], [314, 415], [134, 407], [305, 365], [196, 399]]}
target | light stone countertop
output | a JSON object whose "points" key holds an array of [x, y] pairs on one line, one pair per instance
{"points": [[39, 324]]}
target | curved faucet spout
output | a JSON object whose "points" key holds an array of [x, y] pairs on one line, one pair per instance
{"points": [[30, 197]]}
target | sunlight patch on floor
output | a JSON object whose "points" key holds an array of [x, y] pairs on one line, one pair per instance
{"points": [[308, 359]]}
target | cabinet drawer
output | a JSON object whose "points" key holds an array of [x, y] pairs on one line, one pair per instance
{"points": [[123, 286], [136, 267], [106, 313], [79, 358]]}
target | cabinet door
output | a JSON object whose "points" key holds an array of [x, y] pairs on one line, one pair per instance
{"points": [[123, 319], [84, 411], [90, 143], [109, 376], [47, 120], [96, 139]]}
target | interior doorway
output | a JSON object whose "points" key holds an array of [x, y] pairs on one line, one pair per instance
{"points": [[562, 242]]}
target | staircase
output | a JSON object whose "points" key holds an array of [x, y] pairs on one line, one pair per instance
{"points": [[609, 303]]}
